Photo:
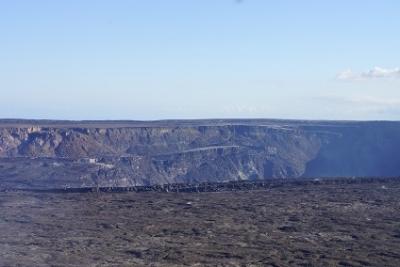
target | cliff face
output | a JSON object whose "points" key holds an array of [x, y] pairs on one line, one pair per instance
{"points": [[56, 155]]}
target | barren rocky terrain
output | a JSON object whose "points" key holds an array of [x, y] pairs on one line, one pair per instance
{"points": [[310, 224], [199, 193]]}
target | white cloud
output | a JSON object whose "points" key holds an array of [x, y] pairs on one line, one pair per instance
{"points": [[346, 75], [377, 72]]}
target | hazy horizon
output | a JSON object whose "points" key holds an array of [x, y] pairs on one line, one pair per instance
{"points": [[155, 60]]}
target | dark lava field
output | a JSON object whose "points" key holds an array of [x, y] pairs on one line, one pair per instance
{"points": [[354, 224]]}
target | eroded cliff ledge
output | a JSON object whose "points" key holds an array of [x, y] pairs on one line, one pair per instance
{"points": [[58, 154]]}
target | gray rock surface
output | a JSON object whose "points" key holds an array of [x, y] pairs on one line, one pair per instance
{"points": [[59, 154]]}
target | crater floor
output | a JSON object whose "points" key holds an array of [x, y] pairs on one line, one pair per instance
{"points": [[307, 225]]}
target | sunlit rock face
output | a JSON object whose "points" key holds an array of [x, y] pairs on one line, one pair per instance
{"points": [[57, 154]]}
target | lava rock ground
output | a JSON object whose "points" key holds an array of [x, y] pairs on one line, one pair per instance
{"points": [[308, 225]]}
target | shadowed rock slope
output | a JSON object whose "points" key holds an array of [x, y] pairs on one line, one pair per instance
{"points": [[58, 154]]}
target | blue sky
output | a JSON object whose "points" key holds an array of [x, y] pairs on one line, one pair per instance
{"points": [[160, 59]]}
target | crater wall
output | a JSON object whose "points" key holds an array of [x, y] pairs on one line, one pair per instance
{"points": [[55, 154]]}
